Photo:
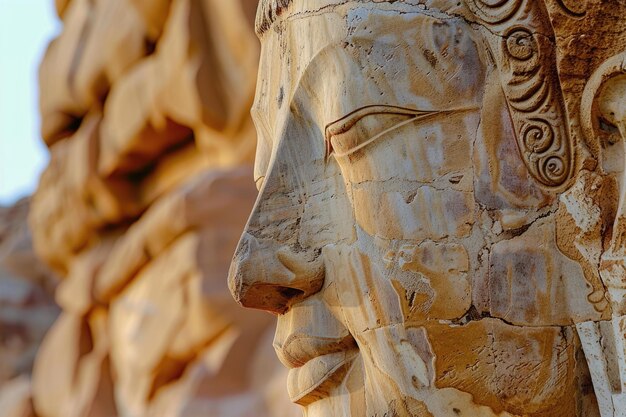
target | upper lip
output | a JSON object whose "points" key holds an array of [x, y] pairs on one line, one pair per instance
{"points": [[298, 349]]}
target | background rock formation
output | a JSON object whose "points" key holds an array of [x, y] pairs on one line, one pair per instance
{"points": [[27, 309], [145, 110]]}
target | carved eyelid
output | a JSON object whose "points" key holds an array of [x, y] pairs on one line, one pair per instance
{"points": [[347, 122]]}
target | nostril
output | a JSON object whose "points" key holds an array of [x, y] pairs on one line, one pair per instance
{"points": [[290, 293], [272, 298], [283, 298], [271, 279]]}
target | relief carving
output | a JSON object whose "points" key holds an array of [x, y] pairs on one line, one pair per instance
{"points": [[439, 212], [576, 8], [522, 41]]}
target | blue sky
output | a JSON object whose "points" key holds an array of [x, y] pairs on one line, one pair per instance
{"points": [[26, 27]]}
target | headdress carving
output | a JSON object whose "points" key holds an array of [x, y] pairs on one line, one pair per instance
{"points": [[522, 41]]}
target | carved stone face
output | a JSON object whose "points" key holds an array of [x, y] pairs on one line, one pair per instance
{"points": [[409, 254]]}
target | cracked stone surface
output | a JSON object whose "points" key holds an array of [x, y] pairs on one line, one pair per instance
{"points": [[440, 225]]}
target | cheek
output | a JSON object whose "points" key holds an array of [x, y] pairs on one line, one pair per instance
{"points": [[438, 153], [327, 215], [412, 212], [415, 185]]}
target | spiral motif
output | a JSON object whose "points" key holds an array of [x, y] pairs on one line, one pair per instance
{"points": [[576, 8], [538, 136], [494, 11], [522, 40], [554, 169], [521, 44], [528, 85]]}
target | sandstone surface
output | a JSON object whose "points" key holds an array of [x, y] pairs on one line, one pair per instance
{"points": [[440, 224]]}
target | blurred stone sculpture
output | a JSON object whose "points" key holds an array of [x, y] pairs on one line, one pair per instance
{"points": [[145, 109], [27, 309], [439, 224]]}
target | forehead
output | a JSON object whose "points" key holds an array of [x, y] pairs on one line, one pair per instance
{"points": [[270, 10], [365, 41]]}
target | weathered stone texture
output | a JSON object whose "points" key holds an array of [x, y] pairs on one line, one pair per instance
{"points": [[440, 230], [441, 224]]}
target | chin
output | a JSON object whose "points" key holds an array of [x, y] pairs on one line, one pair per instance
{"points": [[345, 396]]}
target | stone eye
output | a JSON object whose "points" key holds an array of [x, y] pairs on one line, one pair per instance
{"points": [[363, 132], [368, 124]]}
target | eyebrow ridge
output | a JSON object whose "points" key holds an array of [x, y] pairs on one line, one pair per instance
{"points": [[347, 122]]}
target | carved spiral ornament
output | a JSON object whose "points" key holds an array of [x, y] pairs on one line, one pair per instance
{"points": [[521, 45], [555, 169], [528, 87], [538, 136], [518, 32], [576, 8], [541, 146], [494, 11]]}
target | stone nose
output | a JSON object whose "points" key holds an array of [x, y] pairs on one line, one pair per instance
{"points": [[270, 277]]}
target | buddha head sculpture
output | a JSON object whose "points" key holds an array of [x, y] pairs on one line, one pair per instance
{"points": [[415, 166]]}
